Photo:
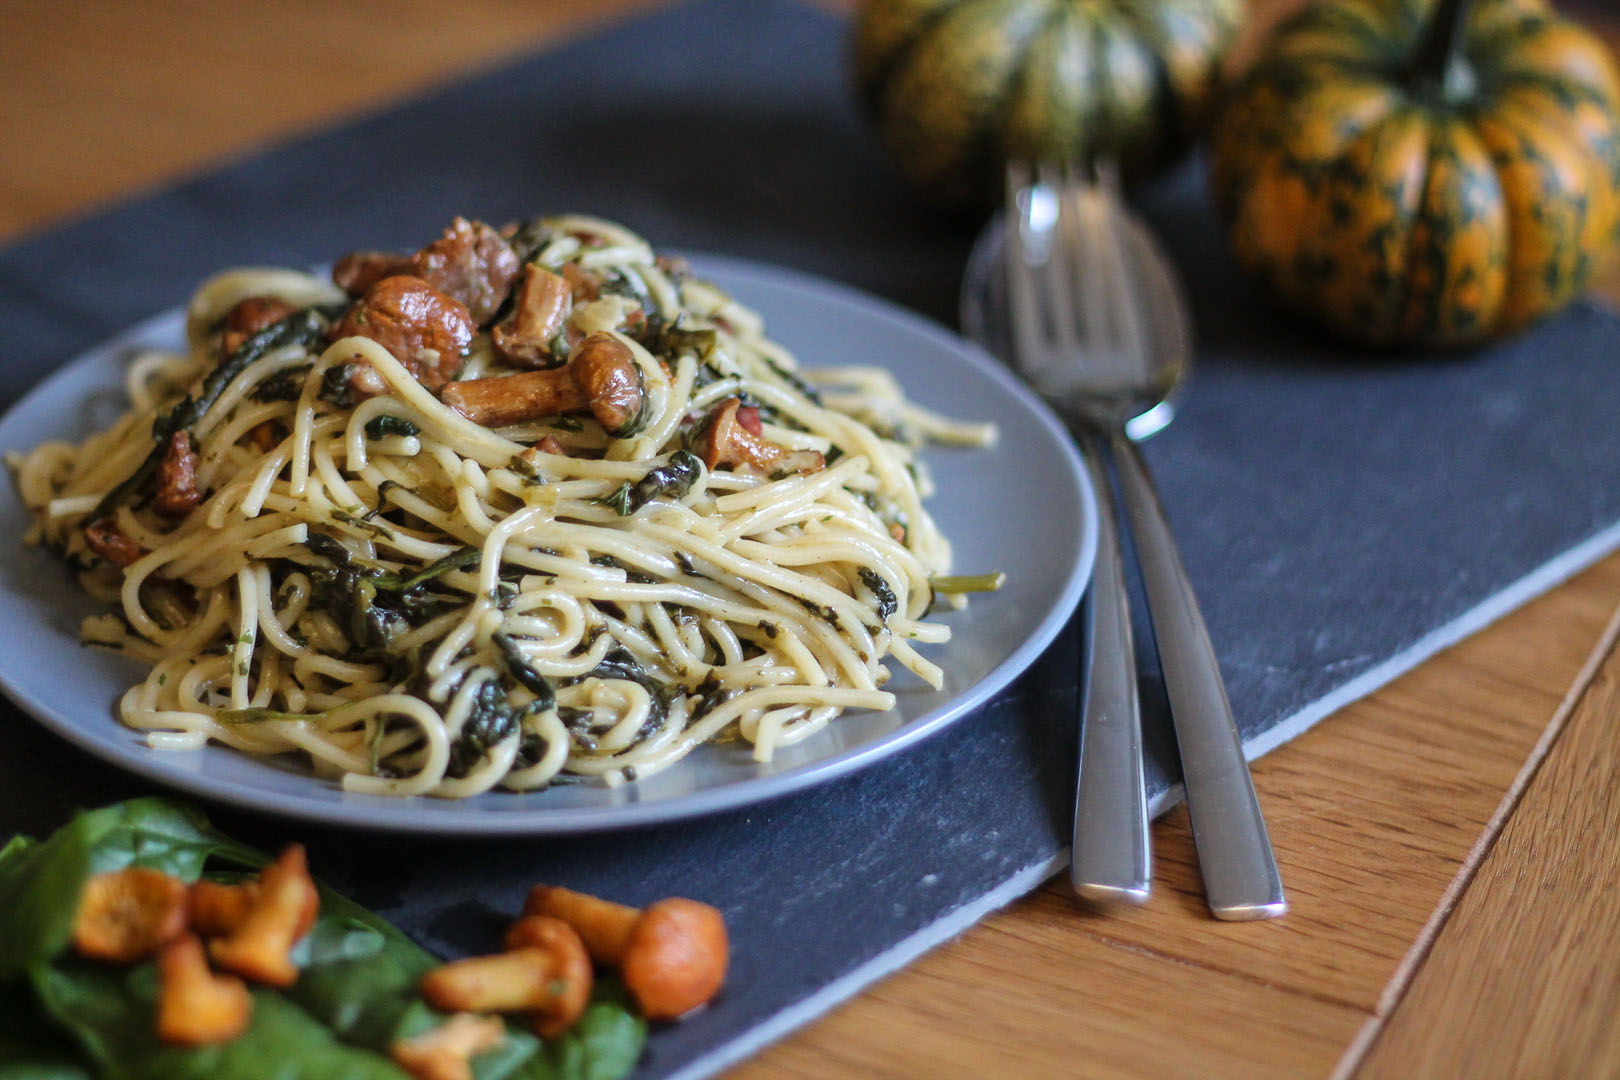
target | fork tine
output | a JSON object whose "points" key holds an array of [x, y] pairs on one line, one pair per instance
{"points": [[1127, 299], [1084, 222], [1028, 338], [1058, 279]]}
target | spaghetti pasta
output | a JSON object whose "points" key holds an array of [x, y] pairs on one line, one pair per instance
{"points": [[528, 506]]}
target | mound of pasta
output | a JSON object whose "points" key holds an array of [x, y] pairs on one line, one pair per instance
{"points": [[529, 505]]}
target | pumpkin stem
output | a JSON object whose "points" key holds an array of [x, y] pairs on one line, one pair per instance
{"points": [[1438, 60]]}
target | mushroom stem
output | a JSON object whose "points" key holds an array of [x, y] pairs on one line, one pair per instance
{"points": [[514, 399], [195, 1006], [545, 972], [516, 981], [446, 1052], [603, 926]]}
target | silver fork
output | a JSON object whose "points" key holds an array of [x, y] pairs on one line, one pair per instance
{"points": [[1100, 326], [1111, 858]]}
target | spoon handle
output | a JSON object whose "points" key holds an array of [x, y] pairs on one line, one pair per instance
{"points": [[1110, 858], [1234, 851]]}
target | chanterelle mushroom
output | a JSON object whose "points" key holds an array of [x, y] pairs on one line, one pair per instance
{"points": [[426, 330], [732, 436], [127, 915], [446, 1052], [606, 370], [542, 306], [282, 912], [195, 1006], [602, 376], [573, 964], [546, 973], [218, 908], [515, 399], [673, 954]]}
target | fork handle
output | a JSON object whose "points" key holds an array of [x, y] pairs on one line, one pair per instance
{"points": [[1110, 860], [1234, 851]]}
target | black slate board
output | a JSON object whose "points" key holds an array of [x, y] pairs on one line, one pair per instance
{"points": [[1341, 516]]}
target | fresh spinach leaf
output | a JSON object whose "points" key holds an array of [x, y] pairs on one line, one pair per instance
{"points": [[110, 1011], [64, 1018], [604, 1045], [40, 883]]}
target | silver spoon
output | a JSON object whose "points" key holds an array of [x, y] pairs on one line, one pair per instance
{"points": [[1135, 347]]}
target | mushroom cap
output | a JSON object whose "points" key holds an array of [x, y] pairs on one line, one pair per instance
{"points": [[127, 915], [677, 957]]}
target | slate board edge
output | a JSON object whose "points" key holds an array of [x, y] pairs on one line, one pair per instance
{"points": [[1544, 579], [1551, 574], [846, 986]]}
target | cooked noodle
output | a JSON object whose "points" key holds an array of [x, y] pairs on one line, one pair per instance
{"points": [[570, 617]]}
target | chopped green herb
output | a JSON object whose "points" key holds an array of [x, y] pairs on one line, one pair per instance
{"points": [[380, 427], [671, 480], [285, 385], [887, 602], [518, 666], [381, 532]]}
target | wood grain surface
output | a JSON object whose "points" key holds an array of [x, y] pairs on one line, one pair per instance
{"points": [[1524, 980], [1448, 843]]}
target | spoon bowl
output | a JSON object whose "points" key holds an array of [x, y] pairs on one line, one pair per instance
{"points": [[1112, 391]]}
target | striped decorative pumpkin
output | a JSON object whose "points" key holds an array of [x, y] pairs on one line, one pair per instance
{"points": [[1422, 173], [958, 86]]}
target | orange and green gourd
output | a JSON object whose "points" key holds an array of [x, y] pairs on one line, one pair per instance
{"points": [[1424, 174], [957, 87]]}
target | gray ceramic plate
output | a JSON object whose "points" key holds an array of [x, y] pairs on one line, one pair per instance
{"points": [[1025, 507]]}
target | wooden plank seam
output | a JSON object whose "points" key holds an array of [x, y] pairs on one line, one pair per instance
{"points": [[1414, 959]]}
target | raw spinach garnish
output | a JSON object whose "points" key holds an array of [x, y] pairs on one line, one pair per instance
{"points": [[63, 1018]]}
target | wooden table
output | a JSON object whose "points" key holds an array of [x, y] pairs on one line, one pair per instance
{"points": [[1449, 844]]}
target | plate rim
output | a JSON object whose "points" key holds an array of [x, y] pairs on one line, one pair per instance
{"points": [[457, 819]]}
